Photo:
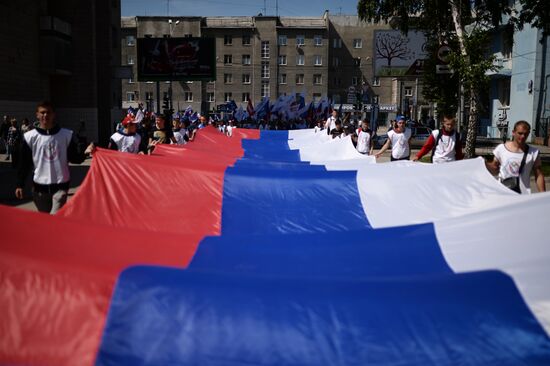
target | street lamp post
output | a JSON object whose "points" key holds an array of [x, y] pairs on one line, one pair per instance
{"points": [[172, 26]]}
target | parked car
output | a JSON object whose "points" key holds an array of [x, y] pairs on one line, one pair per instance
{"points": [[379, 140], [420, 135]]}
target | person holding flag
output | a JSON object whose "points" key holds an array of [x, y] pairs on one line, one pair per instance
{"points": [[400, 139]]}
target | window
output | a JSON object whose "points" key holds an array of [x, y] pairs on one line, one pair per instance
{"points": [[148, 95], [130, 59], [265, 70], [227, 59], [130, 40], [316, 97], [376, 81], [246, 78], [227, 97], [317, 79], [503, 90], [318, 60], [246, 97], [337, 43], [188, 96], [357, 61], [228, 40], [130, 96], [354, 80], [282, 40], [318, 40], [408, 91], [246, 40], [265, 49], [507, 44], [282, 59], [265, 89], [300, 40], [299, 78], [357, 43], [335, 62], [246, 60], [282, 78], [210, 97], [300, 60], [228, 78], [130, 81]]}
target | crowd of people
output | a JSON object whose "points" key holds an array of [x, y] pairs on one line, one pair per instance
{"points": [[513, 161], [46, 149]]}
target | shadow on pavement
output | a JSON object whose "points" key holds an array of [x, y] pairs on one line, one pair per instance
{"points": [[8, 180]]}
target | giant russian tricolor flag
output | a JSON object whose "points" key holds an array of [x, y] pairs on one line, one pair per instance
{"points": [[279, 248]]}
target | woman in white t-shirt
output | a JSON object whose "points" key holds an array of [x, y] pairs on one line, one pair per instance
{"points": [[400, 139], [508, 161]]}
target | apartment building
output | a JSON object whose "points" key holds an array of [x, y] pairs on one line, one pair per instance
{"points": [[266, 56], [67, 52]]}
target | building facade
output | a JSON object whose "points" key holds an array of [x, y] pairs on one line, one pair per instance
{"points": [[519, 86], [66, 52], [266, 56]]}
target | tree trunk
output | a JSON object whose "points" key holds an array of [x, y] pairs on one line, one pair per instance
{"points": [[471, 137]]}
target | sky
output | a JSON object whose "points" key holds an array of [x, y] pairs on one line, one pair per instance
{"points": [[292, 8]]}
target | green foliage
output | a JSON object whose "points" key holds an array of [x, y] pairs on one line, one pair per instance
{"points": [[440, 88], [434, 17], [392, 71], [534, 12], [473, 68]]}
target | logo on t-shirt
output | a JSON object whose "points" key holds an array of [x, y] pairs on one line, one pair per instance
{"points": [[51, 152]]}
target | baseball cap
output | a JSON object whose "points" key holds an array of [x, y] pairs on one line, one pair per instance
{"points": [[128, 120], [401, 118]]}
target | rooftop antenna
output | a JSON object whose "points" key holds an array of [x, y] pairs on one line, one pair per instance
{"points": [[167, 8], [340, 10], [265, 7]]}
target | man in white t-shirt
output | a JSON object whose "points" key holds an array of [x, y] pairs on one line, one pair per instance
{"points": [[330, 124], [444, 144], [514, 161], [400, 139]]}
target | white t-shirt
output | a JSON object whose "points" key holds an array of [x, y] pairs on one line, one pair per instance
{"points": [[363, 141], [49, 155], [230, 130], [179, 136], [400, 143], [331, 123], [510, 163], [127, 143], [445, 151]]}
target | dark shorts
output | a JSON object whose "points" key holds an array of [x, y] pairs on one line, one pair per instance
{"points": [[405, 158]]}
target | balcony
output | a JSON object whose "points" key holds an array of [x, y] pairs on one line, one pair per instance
{"points": [[504, 67]]}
